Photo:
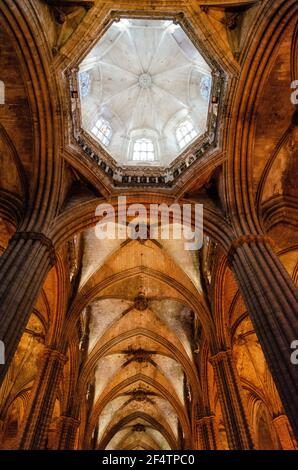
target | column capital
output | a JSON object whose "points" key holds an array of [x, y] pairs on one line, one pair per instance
{"points": [[247, 239], [38, 236], [281, 419], [69, 420], [283, 429], [221, 355], [66, 432], [53, 354], [205, 419], [205, 432]]}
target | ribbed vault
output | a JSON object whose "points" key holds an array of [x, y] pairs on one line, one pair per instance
{"points": [[141, 344]]}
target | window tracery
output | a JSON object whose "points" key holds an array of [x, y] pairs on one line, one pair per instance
{"points": [[103, 131]]}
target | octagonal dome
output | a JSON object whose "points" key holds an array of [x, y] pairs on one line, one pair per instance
{"points": [[144, 92]]}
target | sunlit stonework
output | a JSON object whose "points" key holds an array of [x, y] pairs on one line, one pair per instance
{"points": [[117, 333], [148, 101]]}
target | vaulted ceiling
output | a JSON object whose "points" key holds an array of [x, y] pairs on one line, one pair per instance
{"points": [[140, 323], [145, 78], [143, 302]]}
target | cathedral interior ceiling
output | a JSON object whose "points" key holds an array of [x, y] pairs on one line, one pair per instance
{"points": [[142, 303]]}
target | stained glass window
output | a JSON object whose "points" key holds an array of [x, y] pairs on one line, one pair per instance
{"points": [[103, 131], [84, 83], [205, 87], [185, 133], [143, 150]]}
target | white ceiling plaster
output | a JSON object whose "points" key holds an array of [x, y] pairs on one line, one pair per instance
{"points": [[177, 317], [103, 314]]}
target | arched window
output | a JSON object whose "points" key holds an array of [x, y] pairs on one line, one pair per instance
{"points": [[185, 133], [143, 150], [103, 131], [84, 83]]}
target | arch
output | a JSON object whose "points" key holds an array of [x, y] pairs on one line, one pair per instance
{"points": [[21, 23], [164, 393], [78, 218], [274, 19], [108, 435], [185, 133], [87, 295], [99, 352]]}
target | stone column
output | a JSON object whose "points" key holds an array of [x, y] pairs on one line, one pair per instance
{"points": [[23, 269], [232, 407], [42, 400], [272, 302], [66, 432], [206, 433], [282, 428]]}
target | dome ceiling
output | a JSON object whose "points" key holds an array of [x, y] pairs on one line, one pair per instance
{"points": [[144, 101]]}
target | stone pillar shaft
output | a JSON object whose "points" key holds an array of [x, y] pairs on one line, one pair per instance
{"points": [[42, 400], [272, 302], [66, 432], [23, 268], [229, 392]]}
